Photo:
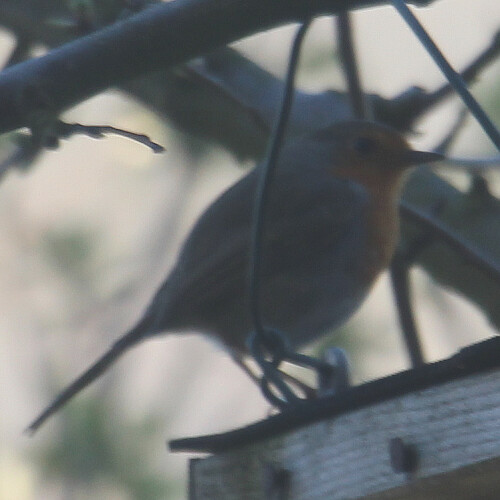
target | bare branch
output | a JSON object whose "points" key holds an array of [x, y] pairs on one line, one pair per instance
{"points": [[474, 217], [65, 130], [349, 63], [157, 38]]}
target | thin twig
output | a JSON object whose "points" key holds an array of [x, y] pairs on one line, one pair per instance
{"points": [[31, 145], [446, 142], [469, 254], [350, 66], [399, 271], [65, 130], [399, 267], [452, 76], [401, 291], [468, 74], [206, 79], [474, 165]]}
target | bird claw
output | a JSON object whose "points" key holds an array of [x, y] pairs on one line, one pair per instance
{"points": [[334, 378], [271, 347]]}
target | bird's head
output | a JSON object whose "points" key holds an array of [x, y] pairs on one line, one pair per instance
{"points": [[371, 153]]}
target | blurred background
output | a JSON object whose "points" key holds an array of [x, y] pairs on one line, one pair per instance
{"points": [[90, 230]]}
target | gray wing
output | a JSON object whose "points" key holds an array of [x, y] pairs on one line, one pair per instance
{"points": [[308, 225]]}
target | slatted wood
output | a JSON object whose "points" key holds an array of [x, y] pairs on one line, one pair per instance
{"points": [[453, 428]]}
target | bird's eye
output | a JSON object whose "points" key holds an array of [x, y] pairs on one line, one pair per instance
{"points": [[365, 145]]}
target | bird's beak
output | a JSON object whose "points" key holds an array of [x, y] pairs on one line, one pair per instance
{"points": [[413, 157]]}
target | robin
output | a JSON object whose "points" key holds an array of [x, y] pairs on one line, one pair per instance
{"points": [[332, 225]]}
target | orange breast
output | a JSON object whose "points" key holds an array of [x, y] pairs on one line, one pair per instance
{"points": [[384, 188], [383, 235]]}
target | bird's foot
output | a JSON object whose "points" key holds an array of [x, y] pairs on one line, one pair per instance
{"points": [[271, 348]]}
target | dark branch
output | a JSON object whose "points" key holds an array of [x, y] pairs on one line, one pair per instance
{"points": [[402, 111], [349, 64], [157, 38], [401, 290], [66, 130], [470, 254]]}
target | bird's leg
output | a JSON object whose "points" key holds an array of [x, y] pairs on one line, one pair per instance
{"points": [[335, 379], [272, 348], [308, 391], [269, 348]]}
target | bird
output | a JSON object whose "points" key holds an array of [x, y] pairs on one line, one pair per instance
{"points": [[332, 226]]}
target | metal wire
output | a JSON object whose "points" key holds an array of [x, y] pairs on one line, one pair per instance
{"points": [[453, 77], [265, 181]]}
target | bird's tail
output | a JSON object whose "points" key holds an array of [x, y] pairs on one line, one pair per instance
{"points": [[100, 366]]}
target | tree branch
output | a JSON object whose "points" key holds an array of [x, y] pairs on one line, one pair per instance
{"points": [[157, 38], [474, 216]]}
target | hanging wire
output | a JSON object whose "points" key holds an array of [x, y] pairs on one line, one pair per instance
{"points": [[453, 77], [264, 340], [265, 181]]}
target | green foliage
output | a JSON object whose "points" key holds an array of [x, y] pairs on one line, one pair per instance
{"points": [[71, 250], [90, 450]]}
